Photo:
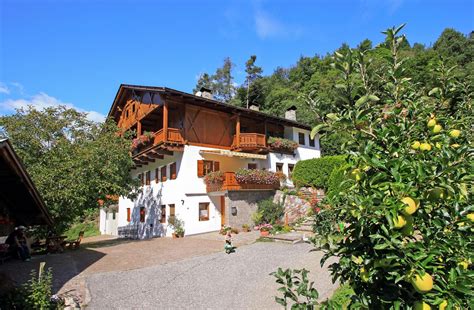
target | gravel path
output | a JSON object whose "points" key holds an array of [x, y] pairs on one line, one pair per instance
{"points": [[214, 281]]}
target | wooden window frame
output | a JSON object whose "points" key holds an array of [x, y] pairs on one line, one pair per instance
{"points": [[129, 215], [172, 210], [157, 175], [163, 214], [252, 166], [142, 214], [163, 174], [141, 177], [206, 205], [173, 171], [301, 135], [202, 171], [147, 177], [291, 167]]}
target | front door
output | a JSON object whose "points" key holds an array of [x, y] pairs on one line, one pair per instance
{"points": [[222, 210]]}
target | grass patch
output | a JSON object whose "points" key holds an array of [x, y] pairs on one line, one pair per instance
{"points": [[90, 229], [342, 296]]}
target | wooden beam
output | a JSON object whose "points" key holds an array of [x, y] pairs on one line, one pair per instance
{"points": [[139, 128], [162, 152], [155, 155], [237, 131], [165, 121]]}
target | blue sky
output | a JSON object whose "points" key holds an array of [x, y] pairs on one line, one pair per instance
{"points": [[78, 52]]}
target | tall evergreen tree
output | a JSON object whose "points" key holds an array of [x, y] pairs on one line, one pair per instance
{"points": [[253, 73], [223, 82], [203, 81]]}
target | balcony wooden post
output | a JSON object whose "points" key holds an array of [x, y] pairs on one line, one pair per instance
{"points": [[139, 128], [266, 131], [165, 121], [237, 131]]}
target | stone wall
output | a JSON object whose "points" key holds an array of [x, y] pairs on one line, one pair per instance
{"points": [[245, 204], [298, 206]]}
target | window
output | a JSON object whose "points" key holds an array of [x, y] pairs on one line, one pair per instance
{"points": [[173, 171], [147, 178], [207, 166], [290, 170], [279, 167], [301, 138], [142, 214], [172, 210], [129, 214], [252, 166], [311, 142], [157, 175], [140, 176], [163, 214], [163, 174], [113, 215], [133, 107], [204, 211]]}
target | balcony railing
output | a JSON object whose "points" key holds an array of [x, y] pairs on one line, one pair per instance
{"points": [[249, 141], [174, 136], [230, 183]]}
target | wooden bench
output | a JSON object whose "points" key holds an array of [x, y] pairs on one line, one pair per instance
{"points": [[74, 244]]}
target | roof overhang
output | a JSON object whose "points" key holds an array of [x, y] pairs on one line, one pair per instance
{"points": [[233, 154], [19, 196], [200, 101]]}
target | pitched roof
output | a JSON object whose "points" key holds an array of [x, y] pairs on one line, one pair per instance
{"points": [[20, 196], [210, 103]]}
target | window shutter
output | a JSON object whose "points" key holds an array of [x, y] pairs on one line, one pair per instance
{"points": [[173, 171], [216, 166], [200, 164], [163, 174], [157, 175]]}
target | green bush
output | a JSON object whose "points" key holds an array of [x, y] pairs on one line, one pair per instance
{"points": [[338, 181], [270, 212], [315, 172]]}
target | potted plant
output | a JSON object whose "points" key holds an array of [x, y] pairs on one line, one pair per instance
{"points": [[245, 228], [177, 225], [225, 229], [265, 229], [254, 176]]}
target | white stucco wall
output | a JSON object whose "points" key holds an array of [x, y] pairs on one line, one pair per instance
{"points": [[187, 190]]}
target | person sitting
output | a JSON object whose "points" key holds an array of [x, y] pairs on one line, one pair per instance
{"points": [[17, 243]]}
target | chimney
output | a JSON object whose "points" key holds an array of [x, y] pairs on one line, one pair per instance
{"points": [[291, 113], [205, 93], [254, 107]]}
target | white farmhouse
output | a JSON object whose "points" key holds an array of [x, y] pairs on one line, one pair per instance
{"points": [[180, 138]]}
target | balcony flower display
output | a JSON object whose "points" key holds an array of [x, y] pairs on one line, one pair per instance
{"points": [[143, 139], [215, 177], [282, 144], [254, 176]]}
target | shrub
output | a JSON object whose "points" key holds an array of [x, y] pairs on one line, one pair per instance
{"points": [[270, 212], [257, 218], [178, 225], [254, 176], [315, 172]]}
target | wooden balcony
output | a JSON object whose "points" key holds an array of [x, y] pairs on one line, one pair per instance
{"points": [[175, 139], [250, 142], [230, 183], [174, 136]]}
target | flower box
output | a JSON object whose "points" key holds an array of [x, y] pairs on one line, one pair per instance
{"points": [[282, 145]]}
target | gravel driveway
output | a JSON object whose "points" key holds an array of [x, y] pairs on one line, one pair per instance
{"points": [[214, 281]]}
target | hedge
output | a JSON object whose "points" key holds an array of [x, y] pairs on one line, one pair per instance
{"points": [[315, 172]]}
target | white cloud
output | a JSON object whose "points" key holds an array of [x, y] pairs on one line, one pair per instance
{"points": [[267, 26], [41, 101], [4, 89]]}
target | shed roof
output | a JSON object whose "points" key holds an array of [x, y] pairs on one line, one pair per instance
{"points": [[19, 195]]}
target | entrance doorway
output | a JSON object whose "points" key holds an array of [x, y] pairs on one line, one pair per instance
{"points": [[111, 221]]}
